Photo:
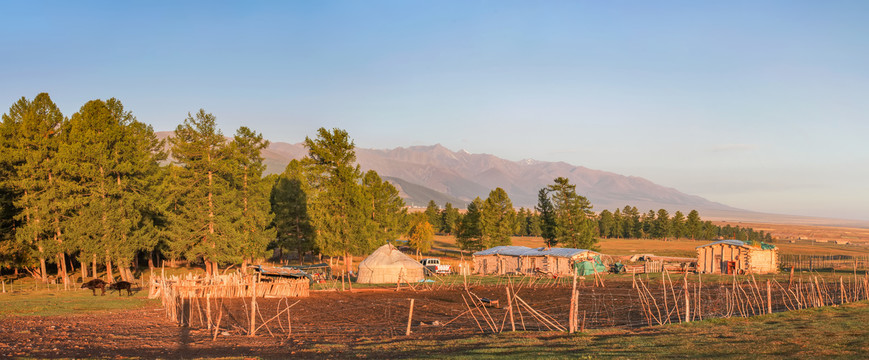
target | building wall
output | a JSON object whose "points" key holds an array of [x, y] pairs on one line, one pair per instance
{"points": [[711, 259], [504, 264]]}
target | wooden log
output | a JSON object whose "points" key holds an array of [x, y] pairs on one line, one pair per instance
{"points": [[472, 314], [409, 318]]}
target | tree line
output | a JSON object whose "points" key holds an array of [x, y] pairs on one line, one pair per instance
{"points": [[98, 189]]}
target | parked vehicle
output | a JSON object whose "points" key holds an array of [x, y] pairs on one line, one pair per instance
{"points": [[433, 266]]}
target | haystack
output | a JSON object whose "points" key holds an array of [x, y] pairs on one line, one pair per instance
{"points": [[388, 265]]}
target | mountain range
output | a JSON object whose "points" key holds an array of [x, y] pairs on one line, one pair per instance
{"points": [[424, 173]]}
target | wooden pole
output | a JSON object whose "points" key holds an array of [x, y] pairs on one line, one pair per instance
{"points": [[510, 309], [252, 307], [572, 320], [687, 301], [768, 297]]}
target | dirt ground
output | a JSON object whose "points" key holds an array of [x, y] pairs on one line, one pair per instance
{"points": [[328, 324], [314, 323]]}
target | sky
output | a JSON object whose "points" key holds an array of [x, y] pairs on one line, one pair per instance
{"points": [[760, 105]]}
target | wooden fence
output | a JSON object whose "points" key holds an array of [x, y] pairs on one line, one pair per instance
{"points": [[824, 262]]}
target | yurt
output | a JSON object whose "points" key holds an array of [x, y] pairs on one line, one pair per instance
{"points": [[388, 265]]}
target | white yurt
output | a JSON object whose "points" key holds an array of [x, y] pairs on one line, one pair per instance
{"points": [[388, 265]]}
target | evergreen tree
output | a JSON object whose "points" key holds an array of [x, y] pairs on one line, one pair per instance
{"points": [[34, 128], [633, 227], [387, 208], [254, 228], [606, 223], [449, 219], [522, 222], [497, 219], [289, 202], [648, 221], [338, 204], [618, 224], [576, 227], [533, 224], [433, 214], [109, 164], [548, 223], [470, 233], [678, 224], [693, 225], [662, 227], [206, 205]]}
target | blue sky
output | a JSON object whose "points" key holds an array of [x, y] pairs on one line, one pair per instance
{"points": [[762, 105]]}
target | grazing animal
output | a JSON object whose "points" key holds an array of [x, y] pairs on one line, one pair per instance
{"points": [[94, 285], [121, 285]]}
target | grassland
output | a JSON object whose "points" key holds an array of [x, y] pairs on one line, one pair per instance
{"points": [[46, 302]]}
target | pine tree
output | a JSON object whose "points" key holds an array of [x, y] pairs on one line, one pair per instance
{"points": [[253, 228], [387, 208], [521, 222], [693, 225], [338, 204], [433, 214], [548, 223], [109, 164], [34, 127], [606, 223], [576, 227], [469, 235], [662, 227], [449, 219], [206, 206], [678, 223], [289, 202], [497, 219]]}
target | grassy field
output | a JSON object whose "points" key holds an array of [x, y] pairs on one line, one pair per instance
{"points": [[28, 302]]}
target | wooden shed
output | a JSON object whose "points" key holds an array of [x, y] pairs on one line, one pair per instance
{"points": [[729, 256], [501, 260]]}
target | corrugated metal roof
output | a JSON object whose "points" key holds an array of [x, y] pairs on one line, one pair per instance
{"points": [[526, 251], [738, 243]]}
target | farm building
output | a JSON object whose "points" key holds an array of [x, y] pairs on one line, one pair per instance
{"points": [[501, 260], [729, 256], [388, 265]]}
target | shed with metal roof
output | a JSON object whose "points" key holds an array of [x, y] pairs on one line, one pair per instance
{"points": [[737, 256], [501, 260]]}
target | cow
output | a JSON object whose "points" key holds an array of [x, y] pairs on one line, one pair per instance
{"points": [[94, 285], [121, 285]]}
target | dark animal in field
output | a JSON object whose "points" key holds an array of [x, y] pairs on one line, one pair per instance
{"points": [[121, 285], [94, 285]]}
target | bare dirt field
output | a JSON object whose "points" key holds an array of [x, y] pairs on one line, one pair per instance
{"points": [[330, 324]]}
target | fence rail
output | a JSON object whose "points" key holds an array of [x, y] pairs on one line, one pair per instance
{"points": [[824, 262]]}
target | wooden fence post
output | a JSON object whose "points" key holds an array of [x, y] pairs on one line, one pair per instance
{"points": [[687, 301], [252, 306], [768, 297], [409, 318]]}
